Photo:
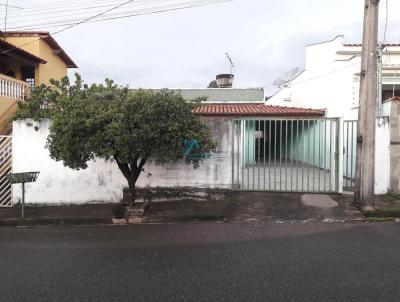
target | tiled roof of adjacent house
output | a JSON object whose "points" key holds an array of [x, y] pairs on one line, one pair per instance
{"points": [[396, 98], [8, 47], [45, 35], [255, 110]]}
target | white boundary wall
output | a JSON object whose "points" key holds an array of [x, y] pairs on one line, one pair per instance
{"points": [[102, 181]]}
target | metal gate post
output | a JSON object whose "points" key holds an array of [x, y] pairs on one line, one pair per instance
{"points": [[339, 161]]}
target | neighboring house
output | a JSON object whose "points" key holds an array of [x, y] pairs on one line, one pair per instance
{"points": [[331, 80], [27, 59], [260, 147]]}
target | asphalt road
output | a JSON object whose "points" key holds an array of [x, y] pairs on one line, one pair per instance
{"points": [[201, 262]]}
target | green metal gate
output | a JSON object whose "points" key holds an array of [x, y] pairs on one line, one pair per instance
{"points": [[287, 155]]}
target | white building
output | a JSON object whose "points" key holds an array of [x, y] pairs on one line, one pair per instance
{"points": [[331, 79]]}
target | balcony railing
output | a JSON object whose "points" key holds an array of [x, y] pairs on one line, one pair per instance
{"points": [[13, 88]]}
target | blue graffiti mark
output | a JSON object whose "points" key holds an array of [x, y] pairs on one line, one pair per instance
{"points": [[190, 146]]}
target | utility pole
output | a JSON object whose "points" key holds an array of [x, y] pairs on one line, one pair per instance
{"points": [[365, 163]]}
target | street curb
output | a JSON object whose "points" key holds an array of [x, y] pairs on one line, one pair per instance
{"points": [[12, 222]]}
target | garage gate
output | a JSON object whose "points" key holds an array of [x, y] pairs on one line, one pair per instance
{"points": [[287, 155]]}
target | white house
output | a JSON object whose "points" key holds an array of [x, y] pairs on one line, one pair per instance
{"points": [[331, 81], [253, 153]]}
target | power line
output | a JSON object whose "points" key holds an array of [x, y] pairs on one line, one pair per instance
{"points": [[83, 10], [64, 8], [67, 18], [5, 18], [325, 74], [72, 25], [10, 6], [65, 4], [122, 15], [93, 18], [386, 22]]}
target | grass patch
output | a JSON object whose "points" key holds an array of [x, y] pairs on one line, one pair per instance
{"points": [[379, 219]]}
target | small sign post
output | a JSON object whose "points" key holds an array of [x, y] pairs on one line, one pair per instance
{"points": [[22, 178]]}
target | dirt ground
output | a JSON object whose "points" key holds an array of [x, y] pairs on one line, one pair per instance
{"points": [[261, 207]]}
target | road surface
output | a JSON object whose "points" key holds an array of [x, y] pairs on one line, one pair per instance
{"points": [[201, 262]]}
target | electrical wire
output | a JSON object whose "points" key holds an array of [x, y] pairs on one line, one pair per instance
{"points": [[31, 12], [93, 18], [71, 26], [80, 11], [127, 14], [325, 74]]}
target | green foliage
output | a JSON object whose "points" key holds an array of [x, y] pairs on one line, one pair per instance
{"points": [[113, 123], [213, 84]]}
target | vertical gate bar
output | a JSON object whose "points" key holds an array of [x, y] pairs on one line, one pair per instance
{"points": [[338, 148], [280, 156], [319, 156], [254, 142], [233, 153], [247, 159], [275, 124], [330, 156], [345, 145], [269, 155], [286, 159], [314, 153], [303, 155], [325, 147], [352, 185], [239, 151], [291, 155], [346, 153], [243, 147], [297, 162], [264, 134], [308, 155], [259, 148]]}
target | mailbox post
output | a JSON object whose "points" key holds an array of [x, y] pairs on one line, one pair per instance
{"points": [[22, 178]]}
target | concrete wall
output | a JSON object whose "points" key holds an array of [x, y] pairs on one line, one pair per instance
{"points": [[102, 181], [382, 157], [395, 147]]}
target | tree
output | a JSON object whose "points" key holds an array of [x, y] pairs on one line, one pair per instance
{"points": [[113, 123], [213, 84]]}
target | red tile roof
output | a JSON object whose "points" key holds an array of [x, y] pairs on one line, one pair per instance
{"points": [[45, 35], [11, 48], [255, 110], [396, 98]]}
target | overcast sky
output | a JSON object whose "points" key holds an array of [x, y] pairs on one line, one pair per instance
{"points": [[186, 48]]}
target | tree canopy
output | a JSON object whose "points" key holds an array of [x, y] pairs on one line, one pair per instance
{"points": [[111, 122]]}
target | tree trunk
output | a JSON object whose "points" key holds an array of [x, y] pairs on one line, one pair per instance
{"points": [[132, 191]]}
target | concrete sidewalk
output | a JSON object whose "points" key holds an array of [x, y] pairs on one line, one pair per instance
{"points": [[265, 208], [58, 215], [238, 207]]}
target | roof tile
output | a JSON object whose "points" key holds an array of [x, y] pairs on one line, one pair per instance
{"points": [[255, 110]]}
